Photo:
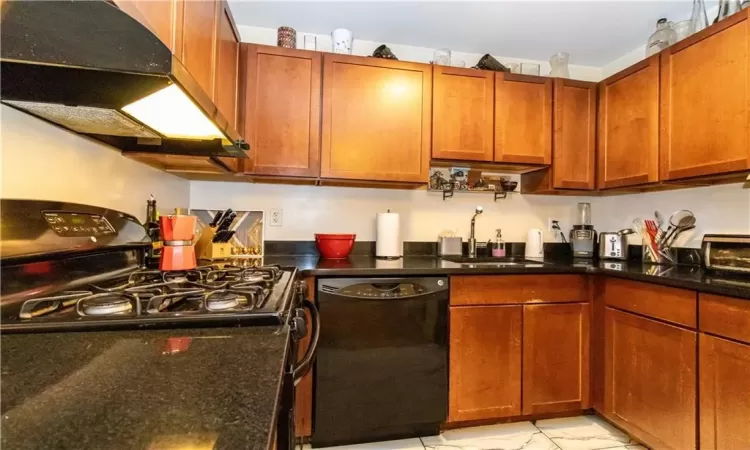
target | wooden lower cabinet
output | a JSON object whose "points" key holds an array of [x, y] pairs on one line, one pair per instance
{"points": [[555, 358], [650, 379], [724, 394], [485, 362]]}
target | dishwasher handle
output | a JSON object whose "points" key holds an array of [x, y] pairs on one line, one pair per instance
{"points": [[385, 289]]}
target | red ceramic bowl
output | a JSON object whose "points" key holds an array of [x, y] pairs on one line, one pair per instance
{"points": [[334, 246]]}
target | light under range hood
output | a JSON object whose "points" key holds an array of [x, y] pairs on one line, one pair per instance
{"points": [[90, 67]]}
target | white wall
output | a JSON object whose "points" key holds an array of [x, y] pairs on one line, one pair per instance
{"points": [[360, 47], [311, 209], [718, 209], [45, 162]]}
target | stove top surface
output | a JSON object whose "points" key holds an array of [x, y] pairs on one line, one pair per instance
{"points": [[213, 294]]}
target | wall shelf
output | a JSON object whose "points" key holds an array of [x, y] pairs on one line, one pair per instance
{"points": [[474, 181]]}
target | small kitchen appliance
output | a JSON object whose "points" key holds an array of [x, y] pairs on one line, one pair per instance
{"points": [[727, 253], [177, 232], [614, 245], [534, 244], [583, 236], [450, 246], [388, 243]]}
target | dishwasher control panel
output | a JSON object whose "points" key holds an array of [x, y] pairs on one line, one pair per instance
{"points": [[383, 290]]}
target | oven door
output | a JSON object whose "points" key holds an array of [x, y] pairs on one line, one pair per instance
{"points": [[296, 369]]}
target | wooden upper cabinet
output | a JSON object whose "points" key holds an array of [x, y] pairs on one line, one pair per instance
{"points": [[555, 358], [628, 132], [198, 42], [574, 135], [724, 394], [282, 110], [227, 63], [523, 119], [650, 379], [160, 16], [376, 119], [485, 362], [462, 114], [705, 101]]}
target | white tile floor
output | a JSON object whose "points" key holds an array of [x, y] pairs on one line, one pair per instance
{"points": [[570, 433]]}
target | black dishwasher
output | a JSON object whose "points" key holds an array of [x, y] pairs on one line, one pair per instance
{"points": [[382, 359]]}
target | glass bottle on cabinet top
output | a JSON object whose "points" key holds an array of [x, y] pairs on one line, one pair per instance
{"points": [[559, 64], [698, 18], [727, 8], [662, 38]]}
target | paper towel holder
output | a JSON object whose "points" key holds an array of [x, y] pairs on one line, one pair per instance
{"points": [[388, 245]]}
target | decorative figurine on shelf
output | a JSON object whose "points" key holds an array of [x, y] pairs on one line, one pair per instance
{"points": [[384, 52]]}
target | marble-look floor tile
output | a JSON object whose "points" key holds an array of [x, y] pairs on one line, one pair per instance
{"points": [[402, 444], [511, 436], [583, 433]]}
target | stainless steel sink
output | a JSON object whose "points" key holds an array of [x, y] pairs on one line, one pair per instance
{"points": [[469, 263]]}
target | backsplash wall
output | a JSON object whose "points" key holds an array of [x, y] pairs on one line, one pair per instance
{"points": [[45, 162], [317, 209]]}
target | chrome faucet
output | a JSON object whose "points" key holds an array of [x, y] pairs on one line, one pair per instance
{"points": [[472, 240]]}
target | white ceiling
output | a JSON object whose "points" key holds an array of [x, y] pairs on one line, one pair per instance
{"points": [[595, 32]]}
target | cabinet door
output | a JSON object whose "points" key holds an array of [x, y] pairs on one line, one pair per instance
{"points": [[198, 38], [462, 114], [705, 102], [523, 119], [555, 358], [227, 64], [628, 134], [574, 136], [376, 119], [485, 362], [650, 379], [724, 394], [160, 16], [282, 110]]}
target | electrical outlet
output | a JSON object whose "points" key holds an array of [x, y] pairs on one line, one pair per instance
{"points": [[277, 217], [549, 224]]}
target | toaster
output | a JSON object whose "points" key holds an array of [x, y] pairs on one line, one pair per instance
{"points": [[450, 246], [613, 245]]}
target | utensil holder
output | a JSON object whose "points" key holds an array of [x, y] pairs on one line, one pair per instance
{"points": [[657, 256]]}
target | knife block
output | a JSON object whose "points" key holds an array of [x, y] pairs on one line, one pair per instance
{"points": [[205, 249]]}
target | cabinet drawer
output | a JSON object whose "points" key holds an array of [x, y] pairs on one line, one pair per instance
{"points": [[724, 316], [661, 302], [510, 289]]}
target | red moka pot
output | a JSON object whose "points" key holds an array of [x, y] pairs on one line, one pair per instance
{"points": [[177, 232]]}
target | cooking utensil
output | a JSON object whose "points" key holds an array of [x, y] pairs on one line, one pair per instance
{"points": [[640, 228], [680, 219], [676, 234]]}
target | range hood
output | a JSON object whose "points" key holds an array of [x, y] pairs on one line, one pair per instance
{"points": [[90, 67]]}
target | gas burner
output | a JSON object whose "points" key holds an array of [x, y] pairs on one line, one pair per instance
{"points": [[108, 304], [222, 300], [228, 273], [165, 302], [47, 305]]}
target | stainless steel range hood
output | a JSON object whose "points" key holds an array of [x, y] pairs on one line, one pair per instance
{"points": [[91, 68]]}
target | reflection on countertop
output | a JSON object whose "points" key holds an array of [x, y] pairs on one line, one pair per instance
{"points": [[212, 388], [682, 276]]}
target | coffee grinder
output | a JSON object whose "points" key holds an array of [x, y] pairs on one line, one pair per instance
{"points": [[583, 235]]}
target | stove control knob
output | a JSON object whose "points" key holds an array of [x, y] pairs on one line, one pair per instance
{"points": [[301, 287]]}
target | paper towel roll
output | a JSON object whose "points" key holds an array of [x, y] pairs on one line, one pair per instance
{"points": [[388, 242]]}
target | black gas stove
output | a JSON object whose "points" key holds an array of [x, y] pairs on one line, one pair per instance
{"points": [[84, 279]]}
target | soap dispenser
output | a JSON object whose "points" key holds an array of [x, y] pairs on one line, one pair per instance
{"points": [[498, 249]]}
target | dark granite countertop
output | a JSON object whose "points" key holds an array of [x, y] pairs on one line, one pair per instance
{"points": [[198, 388], [686, 277]]}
